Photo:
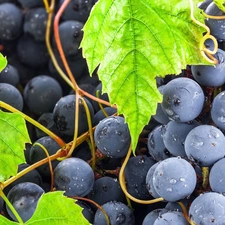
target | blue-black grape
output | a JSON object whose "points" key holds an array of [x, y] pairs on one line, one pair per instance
{"points": [[24, 197], [31, 3], [86, 211], [118, 213], [155, 144], [35, 23], [183, 99], [64, 114], [160, 116], [46, 119], [112, 137], [77, 10], [205, 144], [149, 181], [208, 209], [11, 95], [100, 115], [70, 33], [10, 75], [218, 110], [212, 76], [32, 53], [216, 26], [153, 215], [175, 134], [37, 154], [33, 176], [74, 176], [217, 176], [106, 189], [171, 218], [174, 179], [135, 175], [41, 94], [11, 20]]}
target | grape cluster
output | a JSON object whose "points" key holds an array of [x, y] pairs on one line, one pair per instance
{"points": [[180, 153]]}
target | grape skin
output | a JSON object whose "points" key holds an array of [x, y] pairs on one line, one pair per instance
{"points": [[208, 209]]}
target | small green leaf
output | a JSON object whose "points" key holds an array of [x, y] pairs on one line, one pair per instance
{"points": [[220, 4], [54, 208], [3, 62], [13, 136], [5, 221], [134, 41]]}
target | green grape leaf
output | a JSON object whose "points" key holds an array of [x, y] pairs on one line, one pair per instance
{"points": [[54, 208], [13, 136], [3, 62], [133, 42], [220, 4], [5, 221]]}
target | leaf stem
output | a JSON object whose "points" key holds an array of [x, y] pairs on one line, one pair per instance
{"points": [[9, 204]]}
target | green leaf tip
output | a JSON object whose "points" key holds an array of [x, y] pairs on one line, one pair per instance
{"points": [[54, 208], [3, 62], [133, 42], [13, 136]]}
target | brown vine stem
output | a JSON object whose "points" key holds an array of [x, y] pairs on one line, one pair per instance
{"points": [[185, 213], [123, 183], [34, 122]]}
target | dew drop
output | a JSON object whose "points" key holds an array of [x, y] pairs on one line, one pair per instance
{"points": [[173, 181]]}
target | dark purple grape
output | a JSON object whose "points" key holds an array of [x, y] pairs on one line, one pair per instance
{"points": [[11, 20], [41, 94], [24, 197], [10, 75], [74, 176]]}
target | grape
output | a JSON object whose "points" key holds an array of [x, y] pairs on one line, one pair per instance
{"points": [[46, 119], [41, 94], [183, 99], [135, 175], [32, 53], [1, 204], [217, 177], [37, 154], [205, 144], [33, 176], [218, 110], [160, 116], [175, 134], [149, 181], [216, 26], [87, 211], [112, 137], [10, 95], [106, 189], [203, 74], [171, 218], [174, 179], [11, 20], [35, 23], [156, 146], [24, 197], [118, 213], [100, 115], [77, 10], [208, 208], [102, 96], [70, 33], [31, 3], [203, 5], [153, 215], [64, 114], [74, 176], [10, 75]]}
